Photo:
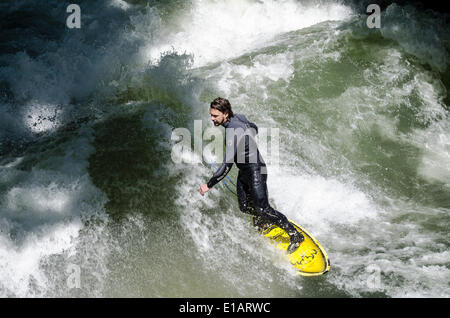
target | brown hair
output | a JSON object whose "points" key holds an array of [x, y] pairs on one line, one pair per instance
{"points": [[222, 105]]}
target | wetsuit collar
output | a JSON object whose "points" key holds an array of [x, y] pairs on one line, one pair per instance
{"points": [[227, 123]]}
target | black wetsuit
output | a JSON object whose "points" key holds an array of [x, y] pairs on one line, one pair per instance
{"points": [[252, 177]]}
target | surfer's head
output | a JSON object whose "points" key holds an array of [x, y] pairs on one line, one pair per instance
{"points": [[220, 111]]}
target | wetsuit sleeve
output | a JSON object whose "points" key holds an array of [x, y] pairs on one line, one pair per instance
{"points": [[225, 167], [219, 174]]}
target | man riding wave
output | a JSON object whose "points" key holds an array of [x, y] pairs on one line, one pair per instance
{"points": [[251, 183]]}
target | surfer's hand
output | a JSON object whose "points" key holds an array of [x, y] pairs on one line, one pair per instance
{"points": [[203, 189]]}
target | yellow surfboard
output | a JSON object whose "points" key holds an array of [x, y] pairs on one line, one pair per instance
{"points": [[310, 259]]}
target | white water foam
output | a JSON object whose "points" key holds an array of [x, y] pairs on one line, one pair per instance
{"points": [[21, 274], [435, 163], [219, 30], [41, 214]]}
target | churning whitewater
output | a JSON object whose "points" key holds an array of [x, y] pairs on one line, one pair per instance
{"points": [[93, 204]]}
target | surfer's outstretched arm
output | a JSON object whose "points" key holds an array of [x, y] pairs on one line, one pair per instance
{"points": [[228, 160], [217, 176], [226, 165]]}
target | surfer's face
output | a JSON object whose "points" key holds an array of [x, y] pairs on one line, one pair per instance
{"points": [[218, 117]]}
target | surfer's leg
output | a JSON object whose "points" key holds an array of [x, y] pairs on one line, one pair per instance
{"points": [[243, 195], [245, 200], [259, 195], [266, 212]]}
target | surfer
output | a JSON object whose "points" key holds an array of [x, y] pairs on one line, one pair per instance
{"points": [[251, 183]]}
